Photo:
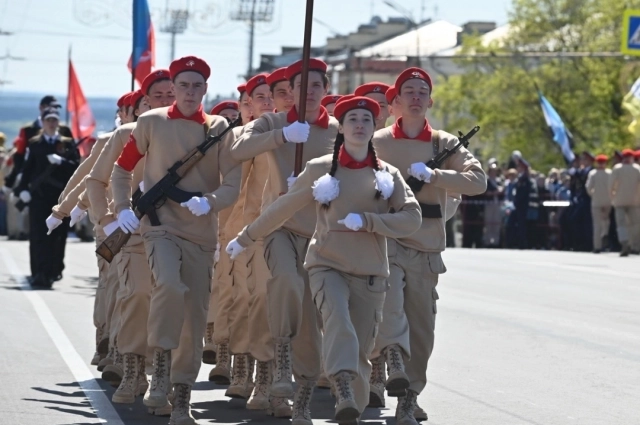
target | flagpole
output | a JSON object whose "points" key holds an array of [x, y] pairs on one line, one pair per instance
{"points": [[133, 47], [66, 115]]}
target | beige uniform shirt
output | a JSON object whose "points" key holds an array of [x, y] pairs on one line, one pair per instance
{"points": [[625, 185], [333, 245], [264, 135], [76, 185], [461, 174], [598, 182], [164, 141]]}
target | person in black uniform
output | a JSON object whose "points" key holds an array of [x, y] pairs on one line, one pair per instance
{"points": [[26, 133], [50, 162]]}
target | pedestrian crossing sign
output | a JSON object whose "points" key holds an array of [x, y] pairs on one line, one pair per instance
{"points": [[631, 32]]}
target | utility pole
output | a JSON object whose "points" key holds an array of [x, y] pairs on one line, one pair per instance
{"points": [[175, 23], [252, 12]]}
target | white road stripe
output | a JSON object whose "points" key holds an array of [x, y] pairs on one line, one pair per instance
{"points": [[99, 401]]}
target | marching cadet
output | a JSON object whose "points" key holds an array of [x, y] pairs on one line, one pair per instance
{"points": [[597, 185], [280, 90], [329, 102], [392, 104], [27, 132], [180, 246], [245, 110], [228, 109], [131, 266], [376, 91], [625, 196], [51, 161], [68, 206], [352, 192], [415, 261], [231, 323], [292, 315], [255, 173]]}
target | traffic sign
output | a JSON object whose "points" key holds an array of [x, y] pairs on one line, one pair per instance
{"points": [[631, 32]]}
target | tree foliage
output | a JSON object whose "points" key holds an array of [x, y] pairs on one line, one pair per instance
{"points": [[499, 92]]}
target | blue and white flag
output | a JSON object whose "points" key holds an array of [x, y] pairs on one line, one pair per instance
{"points": [[561, 134]]}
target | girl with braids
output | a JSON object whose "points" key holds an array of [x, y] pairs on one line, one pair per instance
{"points": [[347, 255]]}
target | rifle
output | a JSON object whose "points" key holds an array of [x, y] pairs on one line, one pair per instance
{"points": [[438, 160], [147, 203], [37, 182]]}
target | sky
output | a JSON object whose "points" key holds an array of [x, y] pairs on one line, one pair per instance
{"points": [[99, 33]]}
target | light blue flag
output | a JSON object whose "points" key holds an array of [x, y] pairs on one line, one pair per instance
{"points": [[561, 135]]}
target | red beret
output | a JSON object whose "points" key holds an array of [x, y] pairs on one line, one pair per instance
{"points": [[135, 97], [189, 63], [345, 98], [374, 87], [332, 98], [636, 154], [277, 76], [356, 102], [255, 81], [242, 88], [296, 68], [121, 101], [411, 73], [627, 152], [127, 99], [229, 104], [154, 77], [602, 158], [391, 94]]}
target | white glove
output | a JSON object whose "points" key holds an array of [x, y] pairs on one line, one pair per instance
{"points": [[352, 221], [110, 228], [216, 255], [52, 223], [76, 215], [291, 180], [420, 171], [128, 221], [234, 248], [25, 196], [141, 186], [197, 206], [297, 132], [54, 158]]}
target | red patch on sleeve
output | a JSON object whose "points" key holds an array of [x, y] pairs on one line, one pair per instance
{"points": [[130, 155], [21, 142]]}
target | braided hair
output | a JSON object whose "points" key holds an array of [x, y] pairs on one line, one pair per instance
{"points": [[334, 162]]}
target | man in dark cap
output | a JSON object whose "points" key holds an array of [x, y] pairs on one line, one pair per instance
{"points": [[29, 131], [52, 158]]}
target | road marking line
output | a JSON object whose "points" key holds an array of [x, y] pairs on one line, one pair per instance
{"points": [[102, 406]]}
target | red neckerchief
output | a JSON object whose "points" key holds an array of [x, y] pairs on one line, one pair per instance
{"points": [[398, 133], [322, 121], [175, 114], [347, 160]]}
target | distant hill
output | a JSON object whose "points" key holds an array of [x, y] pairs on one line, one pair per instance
{"points": [[18, 109]]}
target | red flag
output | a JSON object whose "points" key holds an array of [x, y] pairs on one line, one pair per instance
{"points": [[147, 60], [82, 121]]}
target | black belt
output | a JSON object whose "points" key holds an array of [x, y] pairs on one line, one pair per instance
{"points": [[428, 210]]}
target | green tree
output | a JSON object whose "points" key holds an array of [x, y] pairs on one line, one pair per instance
{"points": [[497, 89]]}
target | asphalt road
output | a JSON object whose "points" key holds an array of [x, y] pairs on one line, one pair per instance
{"points": [[522, 337]]}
